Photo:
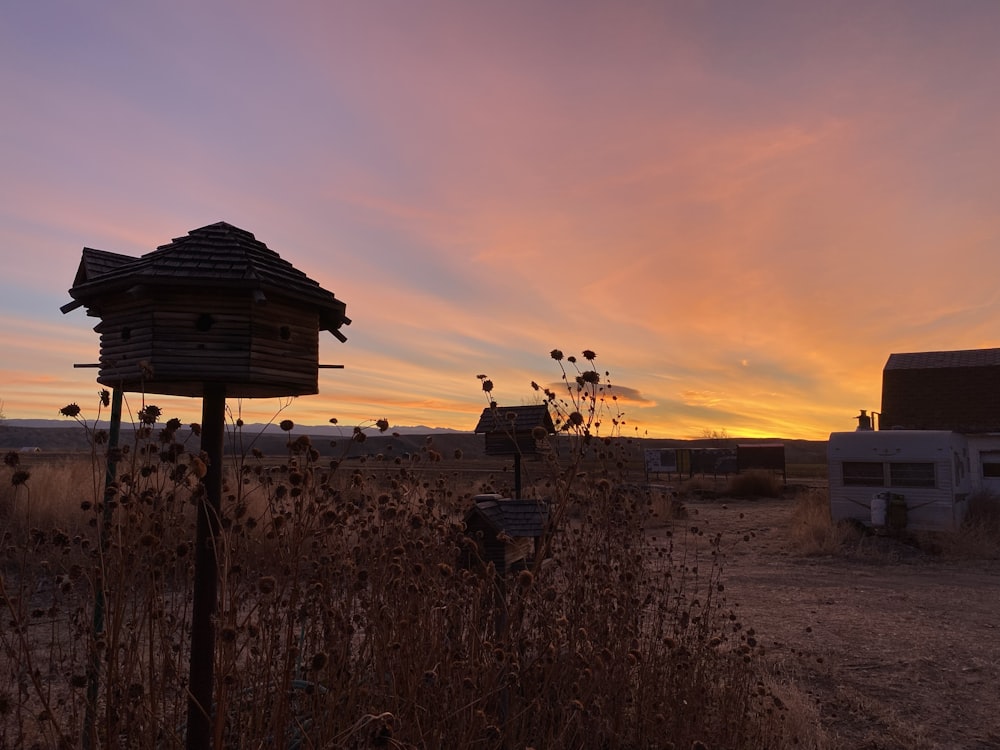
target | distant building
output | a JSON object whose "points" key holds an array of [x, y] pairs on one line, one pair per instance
{"points": [[937, 443], [957, 391]]}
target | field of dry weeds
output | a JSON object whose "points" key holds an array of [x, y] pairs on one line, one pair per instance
{"points": [[885, 644]]}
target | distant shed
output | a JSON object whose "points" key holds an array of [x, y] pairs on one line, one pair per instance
{"points": [[506, 531], [763, 456]]}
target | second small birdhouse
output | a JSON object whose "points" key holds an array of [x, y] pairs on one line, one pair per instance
{"points": [[515, 430], [216, 306]]}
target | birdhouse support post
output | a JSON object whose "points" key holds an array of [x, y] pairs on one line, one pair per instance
{"points": [[89, 739], [206, 574]]}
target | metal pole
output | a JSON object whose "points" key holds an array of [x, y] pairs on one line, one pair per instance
{"points": [[206, 574], [111, 470]]}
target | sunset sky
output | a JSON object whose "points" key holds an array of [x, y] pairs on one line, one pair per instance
{"points": [[742, 207]]}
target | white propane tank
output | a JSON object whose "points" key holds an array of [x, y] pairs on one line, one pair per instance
{"points": [[880, 504]]}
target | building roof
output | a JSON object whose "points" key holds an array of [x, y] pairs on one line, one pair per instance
{"points": [[516, 517], [950, 390], [520, 419], [217, 255], [936, 360]]}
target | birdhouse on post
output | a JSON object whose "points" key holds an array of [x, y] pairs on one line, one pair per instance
{"points": [[217, 306], [515, 431], [215, 314]]}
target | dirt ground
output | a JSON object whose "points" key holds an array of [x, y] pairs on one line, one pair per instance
{"points": [[896, 650]]}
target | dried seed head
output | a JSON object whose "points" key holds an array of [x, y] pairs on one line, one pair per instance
{"points": [[70, 410], [198, 467]]}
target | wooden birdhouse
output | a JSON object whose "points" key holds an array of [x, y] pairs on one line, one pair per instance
{"points": [[215, 307], [514, 430], [506, 531]]}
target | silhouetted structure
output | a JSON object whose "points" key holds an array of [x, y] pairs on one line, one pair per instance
{"points": [[957, 390], [765, 456], [216, 306]]}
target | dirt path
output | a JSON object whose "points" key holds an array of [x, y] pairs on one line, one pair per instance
{"points": [[897, 650]]}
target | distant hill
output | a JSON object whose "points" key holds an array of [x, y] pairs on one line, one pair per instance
{"points": [[323, 429], [63, 436], [56, 436]]}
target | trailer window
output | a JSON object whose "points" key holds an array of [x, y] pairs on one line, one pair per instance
{"points": [[863, 473], [911, 475], [991, 470]]}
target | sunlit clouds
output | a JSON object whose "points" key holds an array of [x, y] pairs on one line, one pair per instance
{"points": [[743, 209]]}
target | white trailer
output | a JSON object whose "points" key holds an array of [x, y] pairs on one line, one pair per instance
{"points": [[922, 476]]}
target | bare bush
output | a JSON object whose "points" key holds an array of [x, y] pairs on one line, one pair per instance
{"points": [[755, 483]]}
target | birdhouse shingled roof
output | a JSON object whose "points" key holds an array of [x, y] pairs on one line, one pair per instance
{"points": [[217, 255], [517, 518], [517, 419]]}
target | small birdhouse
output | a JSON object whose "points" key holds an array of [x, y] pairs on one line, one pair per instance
{"points": [[515, 430], [506, 531], [215, 307]]}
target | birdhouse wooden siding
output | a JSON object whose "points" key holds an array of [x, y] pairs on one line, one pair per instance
{"points": [[510, 430], [217, 306]]}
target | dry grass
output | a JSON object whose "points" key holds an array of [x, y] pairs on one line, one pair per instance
{"points": [[813, 531], [977, 539], [49, 494], [346, 618], [345, 621]]}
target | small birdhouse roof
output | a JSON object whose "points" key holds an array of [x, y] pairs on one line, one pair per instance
{"points": [[516, 419], [217, 256], [516, 517]]}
